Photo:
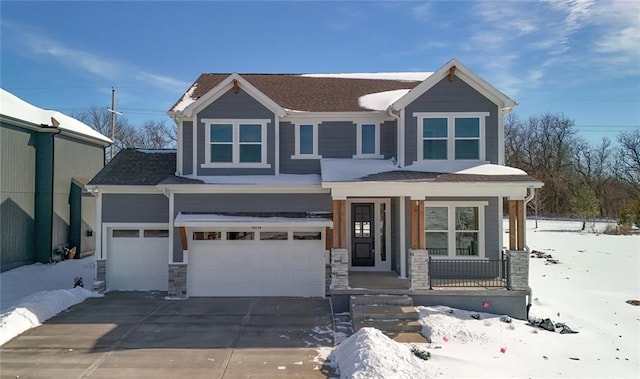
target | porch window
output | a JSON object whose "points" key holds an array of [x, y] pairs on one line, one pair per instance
{"points": [[306, 141], [240, 236], [451, 136], [236, 143], [454, 230], [368, 140], [207, 236]]}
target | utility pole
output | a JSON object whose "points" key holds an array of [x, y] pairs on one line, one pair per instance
{"points": [[113, 119]]}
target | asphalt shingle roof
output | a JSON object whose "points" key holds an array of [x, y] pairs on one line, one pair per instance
{"points": [[137, 167], [304, 93]]}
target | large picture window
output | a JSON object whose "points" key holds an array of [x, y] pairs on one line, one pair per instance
{"points": [[454, 230], [241, 143], [455, 136]]}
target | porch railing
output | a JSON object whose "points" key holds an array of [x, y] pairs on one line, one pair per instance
{"points": [[468, 272]]}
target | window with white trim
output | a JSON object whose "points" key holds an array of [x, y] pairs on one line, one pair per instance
{"points": [[454, 230], [236, 143], [306, 141], [451, 136], [368, 140]]}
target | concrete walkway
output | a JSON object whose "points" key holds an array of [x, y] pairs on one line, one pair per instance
{"points": [[140, 335]]}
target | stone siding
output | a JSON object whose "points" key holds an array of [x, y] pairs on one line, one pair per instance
{"points": [[419, 269], [339, 269], [518, 278], [177, 281], [101, 276]]}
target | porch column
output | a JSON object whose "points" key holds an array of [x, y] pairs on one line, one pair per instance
{"points": [[417, 224], [516, 225], [339, 252]]}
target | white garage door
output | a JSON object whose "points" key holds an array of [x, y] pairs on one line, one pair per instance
{"points": [[256, 263], [138, 259]]}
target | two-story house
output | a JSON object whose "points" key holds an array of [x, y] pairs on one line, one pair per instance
{"points": [[320, 184]]}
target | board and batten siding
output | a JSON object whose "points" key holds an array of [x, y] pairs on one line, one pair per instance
{"points": [[141, 208], [17, 201], [256, 203], [337, 139], [389, 139], [454, 96], [235, 106], [288, 148]]}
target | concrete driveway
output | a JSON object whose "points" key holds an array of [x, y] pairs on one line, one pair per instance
{"points": [[140, 335]]}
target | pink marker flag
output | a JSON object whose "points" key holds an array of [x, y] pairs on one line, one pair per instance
{"points": [[503, 350], [485, 304], [445, 339]]}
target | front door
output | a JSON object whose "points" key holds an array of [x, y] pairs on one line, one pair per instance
{"points": [[362, 237]]}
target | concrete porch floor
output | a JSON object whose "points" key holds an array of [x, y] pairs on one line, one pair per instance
{"points": [[377, 280]]}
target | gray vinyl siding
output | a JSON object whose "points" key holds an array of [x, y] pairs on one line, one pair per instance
{"points": [[288, 148], [337, 139], [455, 96], [187, 148], [492, 248], [66, 167], [235, 106], [135, 208], [211, 203], [389, 139], [17, 190]]}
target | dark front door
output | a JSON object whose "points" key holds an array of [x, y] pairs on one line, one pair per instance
{"points": [[362, 237]]}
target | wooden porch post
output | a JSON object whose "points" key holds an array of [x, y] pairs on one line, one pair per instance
{"points": [[512, 225], [183, 238], [417, 224], [421, 238], [339, 221], [520, 224]]}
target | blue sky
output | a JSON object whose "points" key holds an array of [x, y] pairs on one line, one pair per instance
{"points": [[578, 57]]}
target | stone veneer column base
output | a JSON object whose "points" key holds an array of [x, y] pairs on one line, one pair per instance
{"points": [[339, 269], [100, 284], [419, 269], [518, 278], [177, 281]]}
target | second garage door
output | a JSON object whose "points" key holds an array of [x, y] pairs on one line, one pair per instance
{"points": [[256, 263]]}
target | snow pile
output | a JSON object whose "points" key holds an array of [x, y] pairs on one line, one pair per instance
{"points": [[380, 101], [37, 308], [186, 99], [371, 354], [31, 294], [444, 324]]}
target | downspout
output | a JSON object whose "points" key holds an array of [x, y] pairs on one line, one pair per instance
{"points": [[398, 136], [531, 192]]}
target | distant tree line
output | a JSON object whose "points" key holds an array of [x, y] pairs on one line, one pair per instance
{"points": [[580, 179], [151, 134]]}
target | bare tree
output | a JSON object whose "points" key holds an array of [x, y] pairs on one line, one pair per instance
{"points": [[156, 135], [594, 167], [99, 118], [628, 159]]}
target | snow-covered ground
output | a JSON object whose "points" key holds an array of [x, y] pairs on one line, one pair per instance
{"points": [[29, 295], [587, 290]]}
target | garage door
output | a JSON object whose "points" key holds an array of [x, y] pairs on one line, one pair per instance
{"points": [[138, 259], [256, 263]]}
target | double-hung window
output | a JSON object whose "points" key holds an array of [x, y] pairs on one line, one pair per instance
{"points": [[451, 136], [236, 143], [368, 140], [455, 230], [306, 141]]}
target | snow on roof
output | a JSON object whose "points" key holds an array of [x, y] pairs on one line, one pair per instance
{"points": [[402, 76], [380, 101], [344, 170], [13, 106], [282, 179], [186, 99]]}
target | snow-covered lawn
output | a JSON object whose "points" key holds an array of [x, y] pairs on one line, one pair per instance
{"points": [[587, 290], [29, 295]]}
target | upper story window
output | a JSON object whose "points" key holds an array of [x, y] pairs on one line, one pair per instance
{"points": [[236, 143], [451, 136], [306, 141], [368, 141]]}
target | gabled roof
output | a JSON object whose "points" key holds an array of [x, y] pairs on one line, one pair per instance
{"points": [[308, 92], [454, 67], [137, 167], [17, 109]]}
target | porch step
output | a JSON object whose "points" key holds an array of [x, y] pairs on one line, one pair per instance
{"points": [[381, 300], [391, 314]]}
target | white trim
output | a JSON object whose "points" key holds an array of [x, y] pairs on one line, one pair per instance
{"points": [[179, 136], [98, 227], [194, 163], [235, 142], [451, 138], [242, 188], [451, 228], [464, 74], [127, 225], [171, 226], [256, 226], [296, 138], [223, 87], [501, 158], [319, 117], [500, 223], [276, 120], [401, 137], [376, 153], [142, 190], [378, 264]]}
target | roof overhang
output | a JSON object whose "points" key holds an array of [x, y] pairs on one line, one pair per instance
{"points": [[454, 67], [247, 221]]}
